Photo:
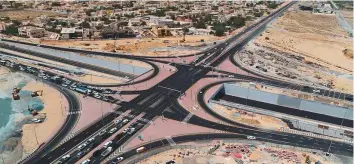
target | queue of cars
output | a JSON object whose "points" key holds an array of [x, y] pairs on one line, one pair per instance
{"points": [[96, 92], [110, 146]]}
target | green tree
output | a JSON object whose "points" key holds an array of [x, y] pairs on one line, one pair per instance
{"points": [[185, 31], [64, 24], [16, 22], [88, 12], [56, 4], [11, 30], [85, 24], [105, 20], [200, 24], [236, 21], [160, 13], [272, 5], [219, 29]]}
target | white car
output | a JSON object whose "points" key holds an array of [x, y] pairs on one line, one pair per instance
{"points": [[231, 76], [112, 130], [125, 121], [251, 137], [107, 144], [82, 146], [87, 161], [131, 131], [64, 159], [91, 139], [119, 159], [126, 130], [35, 120], [316, 91]]}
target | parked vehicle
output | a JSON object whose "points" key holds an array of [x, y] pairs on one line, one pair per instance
{"points": [[251, 137]]}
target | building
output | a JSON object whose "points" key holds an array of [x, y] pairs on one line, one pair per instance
{"points": [[153, 20], [32, 32], [2, 26], [134, 22], [196, 31], [318, 117], [161, 31], [323, 8], [74, 33]]}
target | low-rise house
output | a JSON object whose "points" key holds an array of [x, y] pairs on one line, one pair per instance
{"points": [[73, 33], [134, 22], [161, 31], [196, 31], [2, 26], [32, 32]]}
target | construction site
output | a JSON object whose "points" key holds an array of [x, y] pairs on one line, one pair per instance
{"points": [[306, 47], [238, 152]]}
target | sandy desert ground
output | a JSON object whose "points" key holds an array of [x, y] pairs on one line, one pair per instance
{"points": [[143, 46], [55, 110], [317, 38], [233, 152], [248, 118], [25, 14]]}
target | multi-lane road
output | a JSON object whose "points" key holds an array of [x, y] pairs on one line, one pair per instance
{"points": [[164, 95]]}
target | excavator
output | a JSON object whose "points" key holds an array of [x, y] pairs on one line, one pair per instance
{"points": [[32, 111], [36, 93], [15, 92]]}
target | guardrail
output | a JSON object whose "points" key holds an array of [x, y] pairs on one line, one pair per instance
{"points": [[157, 151]]}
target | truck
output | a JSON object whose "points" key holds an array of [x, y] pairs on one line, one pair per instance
{"points": [[140, 149]]}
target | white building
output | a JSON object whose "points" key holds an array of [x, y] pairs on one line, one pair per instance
{"points": [[32, 32], [134, 22]]}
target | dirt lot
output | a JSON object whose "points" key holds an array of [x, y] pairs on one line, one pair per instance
{"points": [[25, 14], [144, 46], [248, 118], [304, 47], [237, 152], [317, 37]]}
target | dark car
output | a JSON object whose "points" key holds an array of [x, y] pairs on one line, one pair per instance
{"points": [[80, 154]]}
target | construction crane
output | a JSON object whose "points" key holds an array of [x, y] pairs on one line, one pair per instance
{"points": [[35, 93]]}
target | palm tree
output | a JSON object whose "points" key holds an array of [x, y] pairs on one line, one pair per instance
{"points": [[185, 30]]}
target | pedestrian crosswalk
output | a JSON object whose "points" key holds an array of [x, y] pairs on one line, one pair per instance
{"points": [[74, 112], [170, 140]]}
